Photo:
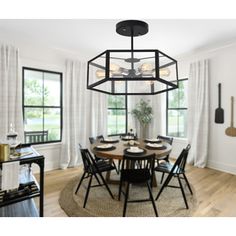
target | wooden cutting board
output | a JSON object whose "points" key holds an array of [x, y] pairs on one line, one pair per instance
{"points": [[231, 131]]}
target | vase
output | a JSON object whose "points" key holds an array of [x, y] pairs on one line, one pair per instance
{"points": [[143, 132]]}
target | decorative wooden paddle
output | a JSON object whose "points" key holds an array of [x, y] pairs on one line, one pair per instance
{"points": [[231, 131], [219, 112]]}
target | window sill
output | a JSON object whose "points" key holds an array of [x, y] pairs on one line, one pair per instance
{"points": [[180, 140], [47, 145]]}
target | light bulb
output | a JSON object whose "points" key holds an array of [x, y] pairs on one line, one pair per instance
{"points": [[100, 74], [146, 68], [114, 68], [114, 71], [164, 72]]}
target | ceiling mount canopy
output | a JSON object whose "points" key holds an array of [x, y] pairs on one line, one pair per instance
{"points": [[134, 71]]}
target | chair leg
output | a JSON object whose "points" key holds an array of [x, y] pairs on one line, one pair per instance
{"points": [[159, 193], [80, 182], [188, 184], [152, 199], [105, 183], [120, 187], [119, 163], [162, 177], [97, 179], [114, 164], [182, 190], [126, 199], [87, 192]]}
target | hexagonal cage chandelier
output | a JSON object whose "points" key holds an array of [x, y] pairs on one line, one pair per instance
{"points": [[134, 71]]}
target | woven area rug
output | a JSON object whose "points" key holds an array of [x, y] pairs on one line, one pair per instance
{"points": [[100, 204]]}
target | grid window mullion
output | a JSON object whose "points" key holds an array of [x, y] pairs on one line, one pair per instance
{"points": [[51, 116]]}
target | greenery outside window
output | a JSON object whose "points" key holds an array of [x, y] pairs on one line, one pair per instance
{"points": [[42, 105], [117, 115], [176, 110]]}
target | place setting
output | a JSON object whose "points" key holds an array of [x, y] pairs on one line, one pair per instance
{"points": [[155, 146], [134, 150], [109, 140], [152, 140], [104, 147]]}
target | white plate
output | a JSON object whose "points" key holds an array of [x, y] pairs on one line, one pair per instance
{"points": [[135, 150], [154, 145], [128, 137], [104, 146], [110, 140], [152, 140]]}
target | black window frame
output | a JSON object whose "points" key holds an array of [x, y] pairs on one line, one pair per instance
{"points": [[126, 115], [61, 101], [173, 109]]}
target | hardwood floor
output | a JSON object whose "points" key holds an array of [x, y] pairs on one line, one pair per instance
{"points": [[215, 191]]}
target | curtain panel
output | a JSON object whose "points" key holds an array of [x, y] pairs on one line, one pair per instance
{"points": [[198, 112], [10, 92], [84, 113]]}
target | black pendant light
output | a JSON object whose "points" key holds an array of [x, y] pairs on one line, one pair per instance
{"points": [[134, 71]]}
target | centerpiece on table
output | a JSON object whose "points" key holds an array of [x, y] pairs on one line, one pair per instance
{"points": [[143, 113]]}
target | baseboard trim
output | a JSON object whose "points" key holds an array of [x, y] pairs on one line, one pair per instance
{"points": [[231, 169]]}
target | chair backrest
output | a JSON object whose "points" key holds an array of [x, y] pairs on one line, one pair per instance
{"points": [[92, 140], [138, 162], [36, 136], [180, 163], [87, 159], [100, 137], [166, 139]]}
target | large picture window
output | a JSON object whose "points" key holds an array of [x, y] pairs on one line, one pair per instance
{"points": [[176, 111], [117, 115], [42, 105]]}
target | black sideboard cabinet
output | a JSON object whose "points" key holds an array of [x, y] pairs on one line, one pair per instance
{"points": [[20, 202]]}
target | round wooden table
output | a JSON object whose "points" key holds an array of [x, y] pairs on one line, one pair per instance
{"points": [[118, 153]]}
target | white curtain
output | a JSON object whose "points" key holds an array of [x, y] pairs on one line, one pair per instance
{"points": [[85, 113], [10, 92], [198, 112]]}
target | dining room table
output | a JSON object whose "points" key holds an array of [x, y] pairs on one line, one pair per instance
{"points": [[118, 147]]}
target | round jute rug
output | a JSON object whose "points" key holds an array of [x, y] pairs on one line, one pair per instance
{"points": [[100, 204]]}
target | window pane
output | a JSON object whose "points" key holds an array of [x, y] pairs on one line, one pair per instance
{"points": [[52, 123], [116, 101], [33, 122], [116, 121], [177, 98], [183, 92], [177, 123], [182, 123], [33, 88], [173, 123], [52, 89]]}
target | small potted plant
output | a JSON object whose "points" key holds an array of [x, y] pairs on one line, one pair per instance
{"points": [[143, 113]]}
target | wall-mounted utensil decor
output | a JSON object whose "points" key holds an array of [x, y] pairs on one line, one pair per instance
{"points": [[231, 131], [219, 112]]}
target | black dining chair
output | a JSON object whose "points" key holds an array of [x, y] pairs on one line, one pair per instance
{"points": [[175, 170], [93, 169], [170, 141], [137, 170], [99, 138]]}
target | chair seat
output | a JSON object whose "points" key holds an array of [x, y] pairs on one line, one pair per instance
{"points": [[103, 166], [166, 168], [135, 175]]}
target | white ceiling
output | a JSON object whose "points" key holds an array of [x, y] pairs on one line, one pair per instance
{"points": [[89, 37]]}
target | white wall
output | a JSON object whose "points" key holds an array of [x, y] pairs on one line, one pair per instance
{"points": [[222, 149]]}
